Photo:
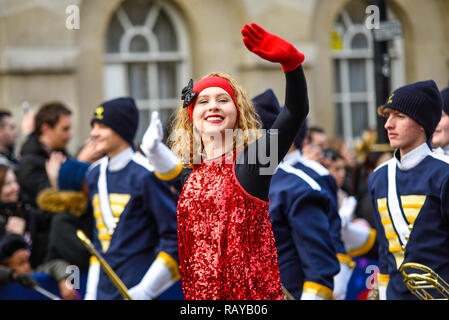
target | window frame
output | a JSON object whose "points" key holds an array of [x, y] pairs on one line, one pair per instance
{"points": [[345, 97], [116, 83], [396, 52]]}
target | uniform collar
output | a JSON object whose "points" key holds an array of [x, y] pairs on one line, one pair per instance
{"points": [[446, 149], [442, 150], [413, 158], [120, 161]]}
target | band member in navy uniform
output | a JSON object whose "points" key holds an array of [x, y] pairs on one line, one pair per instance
{"points": [[410, 192], [267, 107], [299, 215], [135, 212]]}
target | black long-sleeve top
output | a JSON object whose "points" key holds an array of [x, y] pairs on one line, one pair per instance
{"points": [[255, 177]]}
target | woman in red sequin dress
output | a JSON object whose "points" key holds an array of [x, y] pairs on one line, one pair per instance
{"points": [[226, 244]]}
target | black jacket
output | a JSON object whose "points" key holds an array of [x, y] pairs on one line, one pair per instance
{"points": [[31, 173], [32, 178]]}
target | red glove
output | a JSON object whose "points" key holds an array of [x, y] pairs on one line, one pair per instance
{"points": [[272, 48]]}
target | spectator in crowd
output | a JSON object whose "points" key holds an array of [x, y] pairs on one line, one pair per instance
{"points": [[313, 144], [317, 136], [358, 236], [52, 132], [69, 202], [14, 254], [349, 161], [14, 218], [8, 137]]}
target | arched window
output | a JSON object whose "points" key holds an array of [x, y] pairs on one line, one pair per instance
{"points": [[146, 57], [354, 76]]}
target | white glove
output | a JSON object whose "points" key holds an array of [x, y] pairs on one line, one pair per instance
{"points": [[92, 280], [346, 210], [153, 135], [156, 280], [159, 155], [356, 238], [138, 293], [341, 281]]}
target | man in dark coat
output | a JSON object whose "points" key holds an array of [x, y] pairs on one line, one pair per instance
{"points": [[52, 132]]}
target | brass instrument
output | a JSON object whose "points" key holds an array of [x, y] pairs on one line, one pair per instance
{"points": [[287, 294], [419, 283], [106, 267], [368, 143]]}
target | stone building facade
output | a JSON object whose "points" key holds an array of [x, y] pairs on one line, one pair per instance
{"points": [[149, 49]]}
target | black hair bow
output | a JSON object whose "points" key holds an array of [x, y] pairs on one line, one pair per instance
{"points": [[188, 95]]}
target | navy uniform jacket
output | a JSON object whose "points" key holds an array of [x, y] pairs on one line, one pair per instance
{"points": [[146, 213], [328, 185], [307, 258], [422, 183]]}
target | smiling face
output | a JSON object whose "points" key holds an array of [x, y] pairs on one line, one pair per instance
{"points": [[10, 189], [107, 140], [440, 137], [214, 112], [404, 133]]}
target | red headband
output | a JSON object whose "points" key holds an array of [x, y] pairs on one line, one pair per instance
{"points": [[212, 81]]}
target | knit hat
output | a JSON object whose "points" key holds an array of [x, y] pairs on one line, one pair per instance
{"points": [[10, 244], [121, 115], [267, 107], [421, 101], [71, 175], [445, 97]]}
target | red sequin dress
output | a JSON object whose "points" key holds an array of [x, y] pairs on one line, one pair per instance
{"points": [[226, 244]]}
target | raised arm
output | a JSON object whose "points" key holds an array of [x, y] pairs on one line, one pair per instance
{"points": [[271, 148]]}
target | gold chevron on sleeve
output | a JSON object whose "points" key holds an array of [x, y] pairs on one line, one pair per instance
{"points": [[411, 206], [118, 203], [394, 246]]}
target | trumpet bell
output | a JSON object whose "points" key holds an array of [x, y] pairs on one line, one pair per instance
{"points": [[421, 284]]}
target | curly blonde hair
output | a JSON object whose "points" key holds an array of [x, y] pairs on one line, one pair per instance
{"points": [[185, 140]]}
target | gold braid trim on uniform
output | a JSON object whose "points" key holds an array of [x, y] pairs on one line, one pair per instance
{"points": [[318, 290], [170, 263], [366, 247], [170, 175]]}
